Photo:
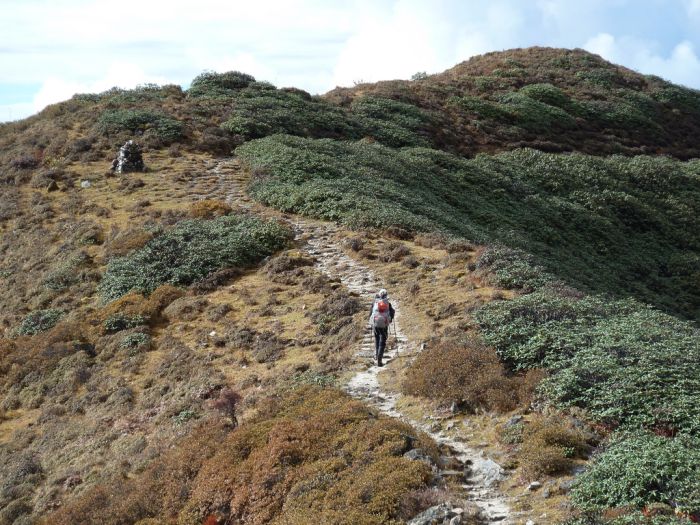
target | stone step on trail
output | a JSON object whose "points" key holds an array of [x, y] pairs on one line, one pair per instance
{"points": [[473, 482]]}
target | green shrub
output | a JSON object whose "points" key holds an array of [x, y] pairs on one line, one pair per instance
{"points": [[137, 341], [630, 518], [118, 322], [680, 97], [191, 251], [624, 226], [619, 360], [534, 115], [114, 121], [640, 469], [547, 94], [391, 122], [39, 321], [65, 273], [260, 111], [599, 77], [485, 109], [211, 84]]}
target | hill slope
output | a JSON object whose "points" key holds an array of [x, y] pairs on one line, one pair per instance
{"points": [[185, 317]]}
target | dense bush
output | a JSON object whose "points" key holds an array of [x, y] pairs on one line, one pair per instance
{"points": [[467, 373], [628, 518], [114, 121], [391, 122], [211, 84], [640, 469], [260, 112], [625, 226], [122, 321], [621, 361], [190, 251], [39, 321], [549, 447], [313, 455]]}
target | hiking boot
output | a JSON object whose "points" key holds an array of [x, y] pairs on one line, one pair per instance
{"points": [[379, 363]]}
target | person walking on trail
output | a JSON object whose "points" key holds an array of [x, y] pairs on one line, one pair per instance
{"points": [[381, 316]]}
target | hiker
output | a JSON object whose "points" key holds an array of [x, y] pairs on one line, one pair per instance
{"points": [[381, 316]]}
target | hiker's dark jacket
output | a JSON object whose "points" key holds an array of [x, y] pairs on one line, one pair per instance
{"points": [[391, 310]]}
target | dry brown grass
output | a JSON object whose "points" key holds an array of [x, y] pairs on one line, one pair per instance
{"points": [[209, 209], [134, 304], [550, 447], [468, 373], [315, 455]]}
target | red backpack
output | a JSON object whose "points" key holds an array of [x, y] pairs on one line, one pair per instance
{"points": [[380, 315]]}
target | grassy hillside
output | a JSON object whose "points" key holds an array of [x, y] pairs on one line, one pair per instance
{"points": [[550, 99], [621, 226], [537, 208]]}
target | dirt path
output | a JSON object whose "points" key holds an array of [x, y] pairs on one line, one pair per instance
{"points": [[225, 180], [480, 473]]}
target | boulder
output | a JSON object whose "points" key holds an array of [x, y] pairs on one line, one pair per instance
{"points": [[418, 454], [490, 471], [129, 159], [438, 514]]}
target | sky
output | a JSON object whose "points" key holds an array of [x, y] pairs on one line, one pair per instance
{"points": [[52, 49]]}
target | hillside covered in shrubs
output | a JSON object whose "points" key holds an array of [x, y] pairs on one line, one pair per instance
{"points": [[169, 355]]}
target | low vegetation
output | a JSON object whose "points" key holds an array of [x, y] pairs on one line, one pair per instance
{"points": [[312, 455], [191, 251], [520, 151], [468, 373], [641, 469], [39, 321], [615, 225], [630, 368]]}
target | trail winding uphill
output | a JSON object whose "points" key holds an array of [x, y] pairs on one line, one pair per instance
{"points": [[480, 473], [224, 179]]}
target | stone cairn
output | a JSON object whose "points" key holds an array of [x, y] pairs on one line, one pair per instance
{"points": [[129, 159]]}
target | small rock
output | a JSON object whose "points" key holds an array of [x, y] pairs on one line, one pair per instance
{"points": [[490, 471], [457, 520], [212, 333], [432, 515], [534, 486], [450, 425], [546, 493], [529, 522], [566, 485], [514, 421], [52, 186], [85, 184], [418, 454]]}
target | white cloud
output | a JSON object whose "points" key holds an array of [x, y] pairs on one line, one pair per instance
{"points": [[119, 74], [412, 36], [693, 7], [10, 112], [84, 45], [681, 65]]}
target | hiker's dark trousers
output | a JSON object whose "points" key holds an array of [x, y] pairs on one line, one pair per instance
{"points": [[380, 335]]}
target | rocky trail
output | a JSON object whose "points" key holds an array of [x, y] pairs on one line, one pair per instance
{"points": [[474, 475], [477, 473]]}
